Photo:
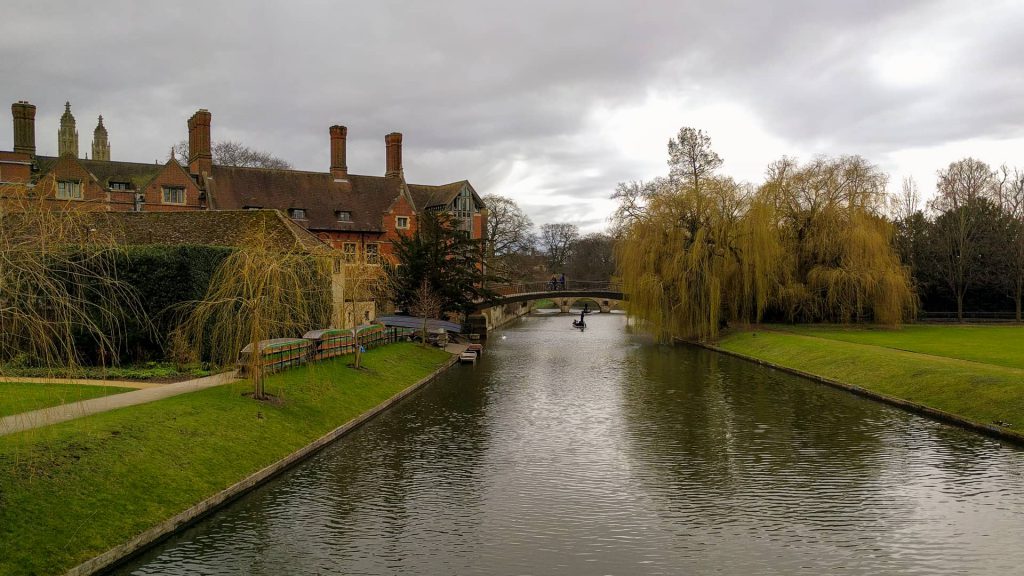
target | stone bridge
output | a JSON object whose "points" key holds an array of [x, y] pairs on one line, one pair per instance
{"points": [[515, 300]]}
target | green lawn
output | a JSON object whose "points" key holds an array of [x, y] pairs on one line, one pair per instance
{"points": [[17, 397], [976, 381], [74, 490], [999, 345], [159, 371]]}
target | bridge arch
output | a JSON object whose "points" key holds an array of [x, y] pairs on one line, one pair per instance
{"points": [[515, 300]]}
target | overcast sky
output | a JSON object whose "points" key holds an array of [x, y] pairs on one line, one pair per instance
{"points": [[548, 102]]}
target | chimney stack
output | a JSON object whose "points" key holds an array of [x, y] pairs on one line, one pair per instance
{"points": [[24, 127], [339, 169], [393, 142], [200, 154]]}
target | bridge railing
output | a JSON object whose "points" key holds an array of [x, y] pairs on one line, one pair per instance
{"points": [[549, 286]]}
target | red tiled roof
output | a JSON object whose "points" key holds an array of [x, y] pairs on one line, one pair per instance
{"points": [[365, 198], [137, 173]]}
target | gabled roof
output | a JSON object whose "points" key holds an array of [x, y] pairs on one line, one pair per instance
{"points": [[139, 174], [427, 197], [365, 198], [206, 227]]}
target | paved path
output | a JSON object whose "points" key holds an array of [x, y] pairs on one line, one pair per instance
{"points": [[82, 382], [55, 414]]}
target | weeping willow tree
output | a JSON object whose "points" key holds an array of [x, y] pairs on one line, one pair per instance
{"points": [[259, 292], [696, 250], [59, 291], [838, 260], [678, 263], [678, 252]]}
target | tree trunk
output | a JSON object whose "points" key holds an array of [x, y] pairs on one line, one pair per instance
{"points": [[1017, 299], [960, 307]]}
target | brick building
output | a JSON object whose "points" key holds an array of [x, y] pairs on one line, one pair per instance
{"points": [[357, 214]]}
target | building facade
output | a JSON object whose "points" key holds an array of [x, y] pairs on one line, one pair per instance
{"points": [[359, 215]]}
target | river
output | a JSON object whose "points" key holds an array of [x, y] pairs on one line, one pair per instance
{"points": [[598, 452]]}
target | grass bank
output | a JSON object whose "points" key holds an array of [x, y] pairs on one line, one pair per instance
{"points": [[994, 344], [18, 397], [974, 372], [73, 490]]}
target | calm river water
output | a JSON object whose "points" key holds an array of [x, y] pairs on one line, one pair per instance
{"points": [[600, 453]]}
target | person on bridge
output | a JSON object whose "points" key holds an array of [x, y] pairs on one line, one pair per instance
{"points": [[554, 283], [561, 282]]}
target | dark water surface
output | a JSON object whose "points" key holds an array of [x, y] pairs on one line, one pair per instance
{"points": [[599, 453]]}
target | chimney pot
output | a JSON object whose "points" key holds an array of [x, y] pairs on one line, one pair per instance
{"points": [[24, 127], [200, 154], [339, 168], [393, 143]]}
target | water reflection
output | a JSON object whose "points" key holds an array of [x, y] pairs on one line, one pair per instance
{"points": [[600, 453]]}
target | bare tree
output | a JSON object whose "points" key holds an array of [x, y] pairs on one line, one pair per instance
{"points": [[558, 240], [426, 304], [509, 234], [963, 181], [1012, 197], [592, 258], [233, 153], [965, 209], [691, 159], [907, 201]]}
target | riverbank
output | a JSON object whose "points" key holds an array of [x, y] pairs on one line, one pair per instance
{"points": [[973, 375], [71, 491]]}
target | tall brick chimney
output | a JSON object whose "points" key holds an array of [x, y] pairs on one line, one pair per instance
{"points": [[393, 142], [339, 169], [200, 154], [24, 127]]}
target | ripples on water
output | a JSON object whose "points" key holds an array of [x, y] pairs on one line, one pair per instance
{"points": [[599, 453]]}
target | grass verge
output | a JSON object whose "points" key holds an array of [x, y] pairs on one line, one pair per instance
{"points": [[984, 393], [73, 490], [992, 344], [18, 397]]}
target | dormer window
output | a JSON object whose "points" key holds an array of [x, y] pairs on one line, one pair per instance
{"points": [[343, 215], [297, 213], [402, 222], [119, 186]]}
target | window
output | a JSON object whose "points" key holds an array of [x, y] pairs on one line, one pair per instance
{"points": [[348, 252], [297, 213], [402, 222], [343, 216], [464, 208], [337, 265], [119, 186], [173, 195], [373, 254], [69, 190]]}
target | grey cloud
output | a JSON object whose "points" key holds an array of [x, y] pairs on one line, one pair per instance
{"points": [[476, 85]]}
